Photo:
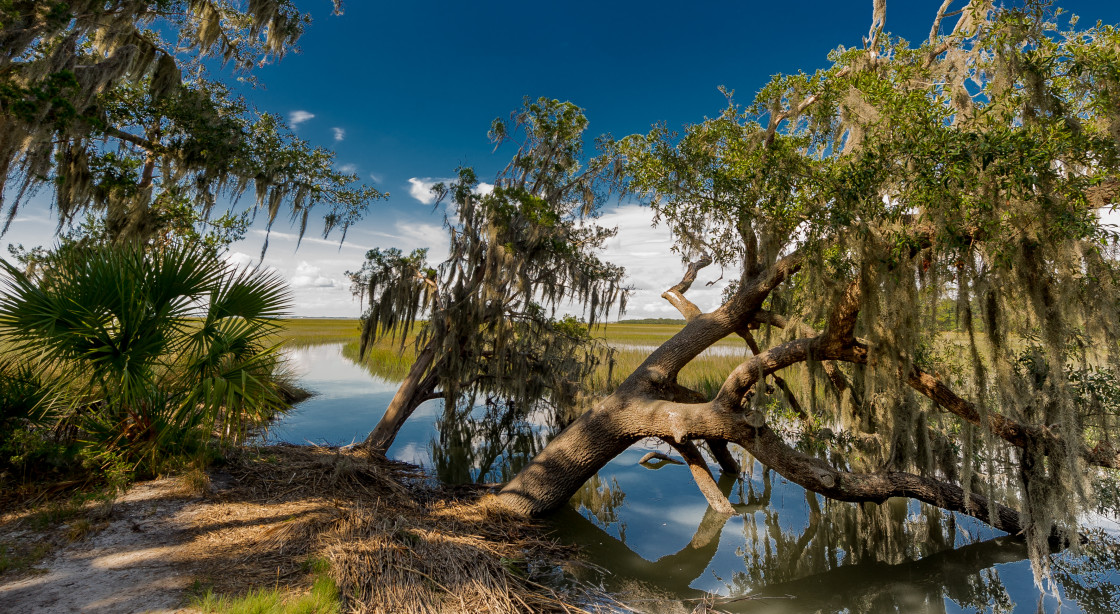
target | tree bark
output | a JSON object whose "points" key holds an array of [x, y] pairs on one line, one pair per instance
{"points": [[650, 403], [703, 476], [418, 386]]}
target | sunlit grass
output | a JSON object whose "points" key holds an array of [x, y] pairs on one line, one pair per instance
{"points": [[625, 333], [705, 373], [323, 599], [314, 331], [384, 359]]}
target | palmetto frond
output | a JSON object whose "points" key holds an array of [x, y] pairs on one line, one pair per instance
{"points": [[153, 344]]}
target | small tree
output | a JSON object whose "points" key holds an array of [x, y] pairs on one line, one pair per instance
{"points": [[855, 201], [485, 318]]}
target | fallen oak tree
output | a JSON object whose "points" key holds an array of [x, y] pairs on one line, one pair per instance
{"points": [[917, 230]]}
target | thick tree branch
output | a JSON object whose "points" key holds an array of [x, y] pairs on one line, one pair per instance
{"points": [[814, 474], [702, 475], [703, 330], [778, 381], [723, 456], [675, 295], [1011, 431]]}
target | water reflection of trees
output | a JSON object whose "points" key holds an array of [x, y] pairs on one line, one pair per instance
{"points": [[890, 557], [855, 557], [489, 441]]}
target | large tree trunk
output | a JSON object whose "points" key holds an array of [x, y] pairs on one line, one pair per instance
{"points": [[418, 386], [650, 403], [569, 460], [590, 442]]}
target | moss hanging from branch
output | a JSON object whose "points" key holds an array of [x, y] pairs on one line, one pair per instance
{"points": [[108, 105]]}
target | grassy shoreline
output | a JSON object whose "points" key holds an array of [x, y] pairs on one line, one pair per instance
{"points": [[388, 360]]}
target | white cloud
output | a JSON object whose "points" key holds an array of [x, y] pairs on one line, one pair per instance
{"points": [[295, 118], [239, 259], [651, 266], [320, 288], [339, 133], [348, 168], [281, 240], [484, 188], [310, 276], [374, 177], [421, 189]]}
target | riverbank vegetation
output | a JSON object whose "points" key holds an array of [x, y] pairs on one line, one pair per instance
{"points": [[121, 362]]}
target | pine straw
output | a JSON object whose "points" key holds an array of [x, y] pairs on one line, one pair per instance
{"points": [[394, 542]]}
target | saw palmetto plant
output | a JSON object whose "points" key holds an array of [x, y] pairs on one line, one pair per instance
{"points": [[148, 352]]}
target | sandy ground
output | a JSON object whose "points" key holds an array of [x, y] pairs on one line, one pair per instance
{"points": [[131, 565], [159, 544], [393, 544]]}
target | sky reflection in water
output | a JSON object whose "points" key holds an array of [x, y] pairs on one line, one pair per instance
{"points": [[654, 533]]}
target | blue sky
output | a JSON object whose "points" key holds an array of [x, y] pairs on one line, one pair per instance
{"points": [[404, 92]]}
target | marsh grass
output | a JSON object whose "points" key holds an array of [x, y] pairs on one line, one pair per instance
{"points": [[300, 332], [625, 333], [384, 359], [705, 373]]}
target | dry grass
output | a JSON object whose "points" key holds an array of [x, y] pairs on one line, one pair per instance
{"points": [[393, 542]]}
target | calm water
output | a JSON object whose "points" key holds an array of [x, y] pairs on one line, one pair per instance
{"points": [[655, 543]]}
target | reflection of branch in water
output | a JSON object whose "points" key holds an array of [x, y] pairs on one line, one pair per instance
{"points": [[964, 575], [673, 572], [1091, 579], [911, 586], [602, 499], [483, 448], [657, 460], [910, 566]]}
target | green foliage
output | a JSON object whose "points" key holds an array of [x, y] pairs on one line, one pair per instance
{"points": [[101, 111], [323, 599], [517, 254], [956, 188], [14, 558], [159, 349]]}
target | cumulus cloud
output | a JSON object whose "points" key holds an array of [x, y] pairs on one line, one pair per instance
{"points": [[651, 267], [421, 189], [295, 118], [348, 168], [339, 133], [239, 259], [308, 275]]}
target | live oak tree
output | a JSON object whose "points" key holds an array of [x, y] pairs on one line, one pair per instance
{"points": [[485, 318], [853, 204], [108, 104]]}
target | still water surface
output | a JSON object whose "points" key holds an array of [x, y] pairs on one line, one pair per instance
{"points": [[655, 543]]}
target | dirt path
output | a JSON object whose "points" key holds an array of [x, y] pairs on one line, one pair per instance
{"points": [[129, 566]]}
